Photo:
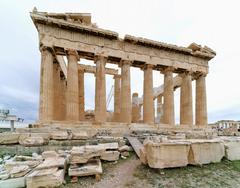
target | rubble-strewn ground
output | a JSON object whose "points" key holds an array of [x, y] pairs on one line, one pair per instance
{"points": [[130, 173]]}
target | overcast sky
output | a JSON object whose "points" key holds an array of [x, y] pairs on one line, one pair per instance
{"points": [[213, 23]]}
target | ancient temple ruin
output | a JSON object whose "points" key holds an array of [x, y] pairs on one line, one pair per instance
{"points": [[62, 84]]}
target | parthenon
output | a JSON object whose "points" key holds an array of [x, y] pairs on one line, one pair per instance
{"points": [[74, 36]]}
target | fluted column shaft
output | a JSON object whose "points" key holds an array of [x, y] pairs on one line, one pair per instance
{"points": [[62, 99], [186, 106], [136, 109], [201, 102], [81, 94], [168, 106], [46, 86], [72, 98], [57, 91], [117, 99], [126, 106], [100, 90], [159, 108], [148, 103]]}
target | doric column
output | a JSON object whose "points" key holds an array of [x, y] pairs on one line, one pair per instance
{"points": [[46, 86], [186, 106], [159, 108], [117, 101], [81, 94], [168, 106], [100, 89], [136, 110], [57, 91], [63, 88], [201, 101], [126, 106], [148, 103], [72, 98]]}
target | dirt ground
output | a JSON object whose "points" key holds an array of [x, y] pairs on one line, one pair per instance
{"points": [[131, 173]]}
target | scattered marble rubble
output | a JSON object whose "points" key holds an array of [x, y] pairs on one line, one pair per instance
{"points": [[49, 168], [160, 152]]}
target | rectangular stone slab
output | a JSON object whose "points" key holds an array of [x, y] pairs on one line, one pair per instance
{"points": [[232, 148], [206, 151], [45, 178], [9, 138], [59, 162], [13, 183], [93, 167], [167, 154]]}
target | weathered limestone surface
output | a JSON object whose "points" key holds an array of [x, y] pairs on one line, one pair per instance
{"points": [[168, 107], [126, 106], [93, 167], [201, 102], [232, 148], [136, 109], [186, 106], [205, 151], [49, 154], [81, 94], [148, 103], [100, 90], [9, 138], [52, 177], [117, 97], [13, 183], [166, 154], [72, 98], [46, 86], [60, 135], [110, 156], [52, 162]]}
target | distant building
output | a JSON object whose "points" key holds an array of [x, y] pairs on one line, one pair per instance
{"points": [[226, 124]]}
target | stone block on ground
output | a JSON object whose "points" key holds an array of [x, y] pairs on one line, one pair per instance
{"points": [[52, 177], [10, 164], [19, 171], [34, 139], [80, 135], [110, 156], [60, 135], [53, 162], [232, 148], [125, 148], [93, 167], [9, 138], [167, 154], [143, 156], [49, 154], [13, 183], [83, 153], [125, 153], [205, 151]]}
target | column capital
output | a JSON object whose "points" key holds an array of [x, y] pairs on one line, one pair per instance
{"points": [[197, 75], [167, 69], [100, 57], [125, 62], [147, 66], [43, 48], [117, 76], [73, 52]]}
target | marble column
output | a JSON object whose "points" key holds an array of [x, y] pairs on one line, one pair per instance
{"points": [[72, 97], [201, 102], [126, 105], [159, 108], [148, 102], [100, 90], [168, 106], [62, 98], [81, 94], [136, 110], [46, 86], [117, 101], [57, 91], [186, 105]]}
